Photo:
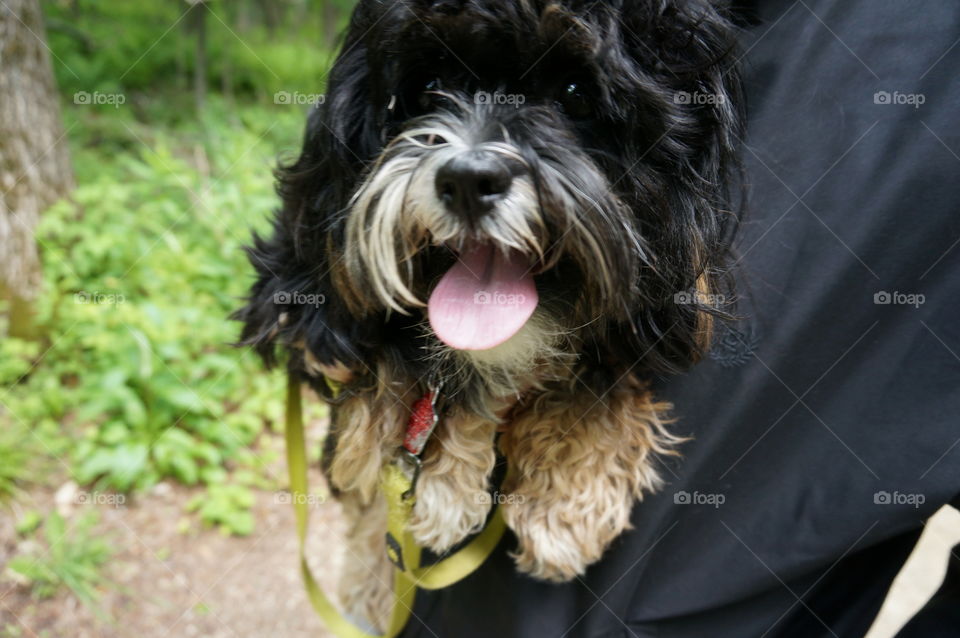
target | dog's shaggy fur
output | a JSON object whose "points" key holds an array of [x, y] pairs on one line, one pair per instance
{"points": [[619, 150]]}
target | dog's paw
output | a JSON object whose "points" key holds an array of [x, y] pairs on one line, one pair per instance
{"points": [[452, 497], [557, 545], [576, 476], [446, 512], [558, 563]]}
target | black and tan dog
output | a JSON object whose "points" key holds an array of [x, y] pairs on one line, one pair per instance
{"points": [[527, 201]]}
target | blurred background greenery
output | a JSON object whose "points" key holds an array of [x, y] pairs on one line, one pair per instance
{"points": [[175, 114]]}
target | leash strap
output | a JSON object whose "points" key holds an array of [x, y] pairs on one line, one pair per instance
{"points": [[297, 467], [402, 550]]}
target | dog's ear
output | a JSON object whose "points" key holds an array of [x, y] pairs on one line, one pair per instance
{"points": [[689, 52], [295, 302]]}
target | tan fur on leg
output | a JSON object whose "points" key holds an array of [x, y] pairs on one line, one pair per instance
{"points": [[452, 499], [579, 465], [370, 429], [366, 581]]}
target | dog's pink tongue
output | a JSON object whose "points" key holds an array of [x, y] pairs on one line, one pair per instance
{"points": [[483, 300]]}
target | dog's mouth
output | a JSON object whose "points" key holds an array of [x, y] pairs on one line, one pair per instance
{"points": [[484, 299]]}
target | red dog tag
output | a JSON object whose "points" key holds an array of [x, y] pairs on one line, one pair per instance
{"points": [[421, 423]]}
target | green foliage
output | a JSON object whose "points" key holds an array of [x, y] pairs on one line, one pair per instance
{"points": [[16, 360], [135, 380], [71, 558], [138, 380], [28, 522], [227, 507], [142, 269], [136, 47], [17, 463]]}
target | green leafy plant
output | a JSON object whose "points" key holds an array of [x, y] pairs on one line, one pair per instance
{"points": [[72, 558], [226, 507], [140, 364], [248, 58], [16, 461], [136, 381], [28, 522]]}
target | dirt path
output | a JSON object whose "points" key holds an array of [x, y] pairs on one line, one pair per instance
{"points": [[171, 576], [198, 583]]}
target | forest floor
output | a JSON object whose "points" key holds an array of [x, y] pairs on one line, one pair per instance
{"points": [[170, 577]]}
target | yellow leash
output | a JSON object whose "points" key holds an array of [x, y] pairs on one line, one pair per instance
{"points": [[404, 553]]}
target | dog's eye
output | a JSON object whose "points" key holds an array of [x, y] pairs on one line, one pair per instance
{"points": [[430, 97], [574, 101]]}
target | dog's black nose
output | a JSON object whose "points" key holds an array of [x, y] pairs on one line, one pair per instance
{"points": [[472, 183]]}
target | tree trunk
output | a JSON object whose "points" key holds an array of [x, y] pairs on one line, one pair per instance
{"points": [[331, 15], [226, 79], [34, 160], [271, 15], [199, 21], [244, 20]]}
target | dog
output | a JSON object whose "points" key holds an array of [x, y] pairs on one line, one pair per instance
{"points": [[528, 202]]}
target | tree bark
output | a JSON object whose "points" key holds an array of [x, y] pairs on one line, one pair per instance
{"points": [[199, 20], [244, 20], [331, 14], [34, 160], [271, 15]]}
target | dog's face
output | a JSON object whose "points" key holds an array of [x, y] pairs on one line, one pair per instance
{"points": [[505, 179]]}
